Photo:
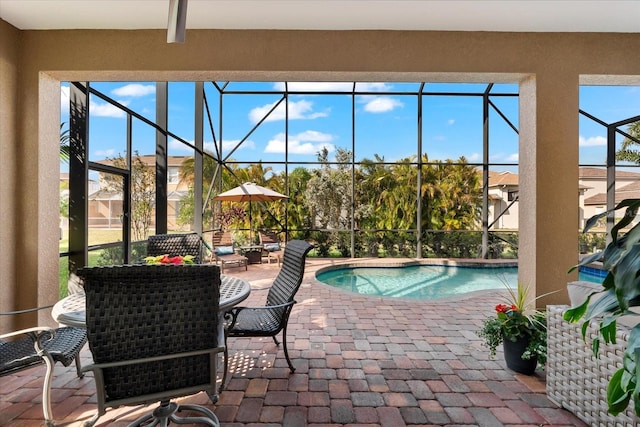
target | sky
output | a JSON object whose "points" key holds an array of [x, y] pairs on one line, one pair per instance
{"points": [[385, 120]]}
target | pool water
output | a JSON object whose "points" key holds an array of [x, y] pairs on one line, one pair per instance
{"points": [[430, 281], [420, 281]]}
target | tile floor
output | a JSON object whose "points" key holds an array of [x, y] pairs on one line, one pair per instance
{"points": [[360, 361]]}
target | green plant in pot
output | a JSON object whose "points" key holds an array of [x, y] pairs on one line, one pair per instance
{"points": [[620, 291], [521, 330]]}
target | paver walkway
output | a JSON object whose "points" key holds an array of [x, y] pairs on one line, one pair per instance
{"points": [[360, 361]]}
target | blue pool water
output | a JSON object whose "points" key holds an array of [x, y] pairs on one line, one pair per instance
{"points": [[590, 274], [420, 281], [429, 281]]}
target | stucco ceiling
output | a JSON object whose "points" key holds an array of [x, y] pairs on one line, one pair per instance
{"points": [[460, 15]]}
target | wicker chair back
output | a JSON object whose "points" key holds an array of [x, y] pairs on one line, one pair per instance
{"points": [[176, 244], [149, 311], [288, 281]]}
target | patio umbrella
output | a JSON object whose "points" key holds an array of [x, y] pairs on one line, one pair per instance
{"points": [[250, 192]]}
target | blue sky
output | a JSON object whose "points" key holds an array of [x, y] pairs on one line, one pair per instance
{"points": [[385, 122]]}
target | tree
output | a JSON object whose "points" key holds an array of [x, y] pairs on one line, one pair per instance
{"points": [[143, 193], [629, 151], [328, 191], [64, 144]]}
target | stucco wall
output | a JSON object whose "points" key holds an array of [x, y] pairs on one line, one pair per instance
{"points": [[549, 65], [9, 50]]}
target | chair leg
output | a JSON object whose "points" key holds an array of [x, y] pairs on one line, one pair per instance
{"points": [[275, 340], [225, 367], [46, 390], [79, 367], [284, 345]]}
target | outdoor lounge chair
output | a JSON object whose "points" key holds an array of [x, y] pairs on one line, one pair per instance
{"points": [[270, 319], [224, 251], [176, 244], [153, 334], [41, 345], [271, 248]]}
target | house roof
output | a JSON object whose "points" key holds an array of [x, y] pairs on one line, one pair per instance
{"points": [[616, 16], [497, 179], [629, 191], [601, 173]]}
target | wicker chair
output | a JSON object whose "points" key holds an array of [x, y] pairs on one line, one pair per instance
{"points": [[176, 244], [41, 345], [269, 320], [153, 333]]}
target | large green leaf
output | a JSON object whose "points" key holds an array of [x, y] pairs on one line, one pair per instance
{"points": [[629, 215], [627, 281], [607, 303], [574, 314], [617, 398]]}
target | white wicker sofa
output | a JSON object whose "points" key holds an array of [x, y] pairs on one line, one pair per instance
{"points": [[576, 380]]}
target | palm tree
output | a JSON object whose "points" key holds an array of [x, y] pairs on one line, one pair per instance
{"points": [[627, 152], [64, 144]]}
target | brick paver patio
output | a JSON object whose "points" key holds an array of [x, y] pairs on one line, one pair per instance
{"points": [[360, 361]]}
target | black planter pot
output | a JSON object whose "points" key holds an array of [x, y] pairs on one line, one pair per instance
{"points": [[513, 356]]}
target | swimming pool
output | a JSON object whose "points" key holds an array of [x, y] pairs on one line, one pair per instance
{"points": [[427, 281], [419, 281]]}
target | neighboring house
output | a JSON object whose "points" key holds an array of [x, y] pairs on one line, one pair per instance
{"points": [[503, 200], [592, 187], [595, 198], [105, 206]]}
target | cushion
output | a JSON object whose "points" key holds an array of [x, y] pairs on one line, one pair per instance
{"points": [[580, 290], [272, 247], [224, 250]]}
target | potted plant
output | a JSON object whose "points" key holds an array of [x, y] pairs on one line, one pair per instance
{"points": [[521, 329], [620, 291]]}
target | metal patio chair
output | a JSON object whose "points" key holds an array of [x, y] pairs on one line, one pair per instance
{"points": [[153, 333], [30, 347], [271, 247], [272, 318]]}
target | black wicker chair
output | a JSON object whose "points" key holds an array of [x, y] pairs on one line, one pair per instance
{"points": [[269, 320], [41, 345], [176, 244], [153, 333]]}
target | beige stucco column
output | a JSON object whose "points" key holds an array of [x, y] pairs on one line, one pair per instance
{"points": [[548, 183]]}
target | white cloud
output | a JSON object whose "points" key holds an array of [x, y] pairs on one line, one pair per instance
{"points": [[105, 110], [106, 153], [592, 141], [451, 122], [134, 89], [381, 104], [474, 158], [372, 87], [315, 86], [302, 109], [309, 142], [332, 87], [503, 157], [64, 98], [229, 144]]}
